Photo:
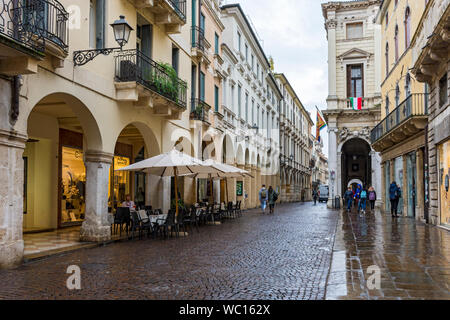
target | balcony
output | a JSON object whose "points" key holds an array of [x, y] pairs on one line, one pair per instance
{"points": [[200, 45], [200, 110], [170, 13], [28, 30], [403, 122], [149, 84], [349, 103]]}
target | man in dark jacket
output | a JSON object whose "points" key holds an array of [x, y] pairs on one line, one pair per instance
{"points": [[394, 196], [348, 196]]}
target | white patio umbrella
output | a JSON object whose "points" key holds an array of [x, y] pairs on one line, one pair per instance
{"points": [[224, 171], [172, 164]]}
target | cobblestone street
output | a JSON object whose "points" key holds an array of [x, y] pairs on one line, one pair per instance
{"points": [[289, 255], [284, 256]]}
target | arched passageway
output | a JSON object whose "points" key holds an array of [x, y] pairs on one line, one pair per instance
{"points": [[356, 162]]}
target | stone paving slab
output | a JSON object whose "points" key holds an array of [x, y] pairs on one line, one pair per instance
{"points": [[283, 256], [413, 258]]}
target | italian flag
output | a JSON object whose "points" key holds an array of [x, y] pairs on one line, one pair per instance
{"points": [[356, 103]]}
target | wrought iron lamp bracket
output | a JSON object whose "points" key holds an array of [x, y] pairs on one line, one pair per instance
{"points": [[82, 57]]}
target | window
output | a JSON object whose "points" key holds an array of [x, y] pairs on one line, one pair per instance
{"points": [[443, 88], [96, 24], [239, 41], [387, 106], [386, 18], [395, 3], [246, 52], [397, 95], [253, 62], [407, 28], [257, 69], [387, 59], [202, 86], [355, 81], [246, 107], [354, 30], [175, 58], [239, 101], [202, 22], [253, 112], [396, 43], [216, 43], [216, 98]]}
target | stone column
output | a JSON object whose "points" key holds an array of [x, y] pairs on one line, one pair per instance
{"points": [[216, 188], [166, 184], [339, 174], [331, 35], [377, 173], [12, 145], [97, 224], [153, 191], [258, 185], [420, 186], [247, 188], [253, 195], [405, 186], [332, 164], [381, 193]]}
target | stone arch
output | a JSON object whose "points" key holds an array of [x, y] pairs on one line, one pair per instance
{"points": [[227, 149], [240, 157], [357, 181], [65, 105], [150, 141]]}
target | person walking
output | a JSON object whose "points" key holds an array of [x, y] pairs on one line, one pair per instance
{"points": [[357, 194], [315, 196], [362, 201], [372, 198], [348, 196], [263, 198], [273, 197], [394, 196]]}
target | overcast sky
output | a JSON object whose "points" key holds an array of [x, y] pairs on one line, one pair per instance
{"points": [[293, 33]]}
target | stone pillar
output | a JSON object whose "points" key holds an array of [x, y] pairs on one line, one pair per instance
{"points": [[216, 187], [420, 186], [381, 193], [377, 173], [253, 195], [247, 188], [405, 186], [339, 174], [258, 185], [331, 35], [392, 171], [153, 192], [97, 224], [166, 184], [12, 146], [332, 164]]}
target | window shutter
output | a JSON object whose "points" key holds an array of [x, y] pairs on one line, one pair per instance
{"points": [[349, 81]]}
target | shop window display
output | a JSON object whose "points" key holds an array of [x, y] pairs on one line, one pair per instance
{"points": [[73, 187], [444, 181], [121, 182]]}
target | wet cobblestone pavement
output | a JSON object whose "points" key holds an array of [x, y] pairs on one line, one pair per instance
{"points": [[413, 258], [281, 256]]}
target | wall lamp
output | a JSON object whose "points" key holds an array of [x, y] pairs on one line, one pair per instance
{"points": [[122, 31]]}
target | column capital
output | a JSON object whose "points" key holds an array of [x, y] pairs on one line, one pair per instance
{"points": [[98, 156]]}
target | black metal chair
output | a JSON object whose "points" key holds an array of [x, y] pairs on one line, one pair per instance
{"points": [[122, 219], [168, 223]]}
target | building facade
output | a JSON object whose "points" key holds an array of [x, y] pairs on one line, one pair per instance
{"points": [[353, 72], [319, 166], [296, 145], [430, 64], [400, 136], [250, 107]]}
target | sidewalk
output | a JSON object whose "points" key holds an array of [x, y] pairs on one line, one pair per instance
{"points": [[414, 258]]}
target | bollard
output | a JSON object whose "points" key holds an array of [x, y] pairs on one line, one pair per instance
{"points": [[337, 202]]}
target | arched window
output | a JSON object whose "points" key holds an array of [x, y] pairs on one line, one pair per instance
{"points": [[387, 59], [407, 27], [396, 43]]}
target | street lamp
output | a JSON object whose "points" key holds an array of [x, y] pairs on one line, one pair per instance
{"points": [[122, 31]]}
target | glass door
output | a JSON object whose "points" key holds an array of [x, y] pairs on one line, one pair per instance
{"points": [[387, 179], [398, 164]]}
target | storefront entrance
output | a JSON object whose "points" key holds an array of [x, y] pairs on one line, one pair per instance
{"points": [[356, 163], [411, 184], [444, 182]]}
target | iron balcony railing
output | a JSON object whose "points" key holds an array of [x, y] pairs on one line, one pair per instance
{"points": [[199, 110], [30, 23], [414, 105], [349, 103], [133, 65], [198, 39], [180, 8]]}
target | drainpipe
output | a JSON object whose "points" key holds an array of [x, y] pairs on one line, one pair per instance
{"points": [[16, 84]]}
